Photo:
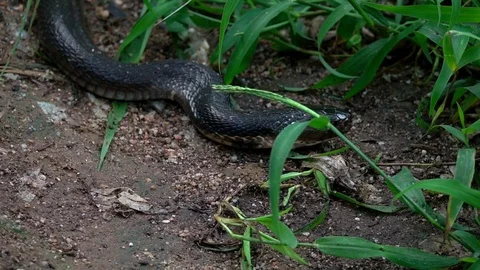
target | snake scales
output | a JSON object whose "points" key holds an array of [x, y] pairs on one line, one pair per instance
{"points": [[65, 40]]}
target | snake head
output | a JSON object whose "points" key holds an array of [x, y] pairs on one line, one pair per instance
{"points": [[338, 117]]}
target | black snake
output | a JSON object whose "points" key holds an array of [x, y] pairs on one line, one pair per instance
{"points": [[65, 40]]}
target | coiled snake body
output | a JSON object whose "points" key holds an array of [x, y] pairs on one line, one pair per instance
{"points": [[65, 39]]}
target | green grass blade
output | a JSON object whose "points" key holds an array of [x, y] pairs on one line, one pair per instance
{"points": [[243, 52], [114, 118], [456, 6], [354, 65], [285, 235], [472, 128], [471, 55], [379, 208], [430, 12], [235, 33], [465, 168], [371, 70], [433, 31], [456, 133], [328, 24], [322, 183], [448, 53], [448, 187], [228, 10], [147, 21], [461, 116], [358, 248], [285, 250], [440, 86], [316, 221], [362, 12], [131, 51], [246, 250], [475, 265], [469, 241], [280, 150]]}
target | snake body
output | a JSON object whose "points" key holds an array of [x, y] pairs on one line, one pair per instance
{"points": [[65, 40]]}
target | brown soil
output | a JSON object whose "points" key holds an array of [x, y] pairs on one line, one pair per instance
{"points": [[163, 159]]}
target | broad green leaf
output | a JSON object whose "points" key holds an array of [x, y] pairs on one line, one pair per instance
{"points": [[320, 123], [459, 44], [280, 150], [359, 248], [469, 241], [433, 31], [465, 168], [284, 233], [415, 200]]}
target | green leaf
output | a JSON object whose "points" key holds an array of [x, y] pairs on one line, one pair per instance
{"points": [[414, 199], [439, 87], [448, 54], [235, 33], [448, 187], [430, 12], [456, 133], [461, 116], [246, 250], [378, 208], [285, 250], [433, 31], [359, 248], [469, 241], [354, 65], [319, 219], [114, 118], [471, 55], [144, 24], [465, 168], [472, 128], [243, 52], [329, 23], [371, 69], [228, 10], [280, 150]]}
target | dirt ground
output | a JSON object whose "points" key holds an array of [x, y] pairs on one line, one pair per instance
{"points": [[48, 169]]}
